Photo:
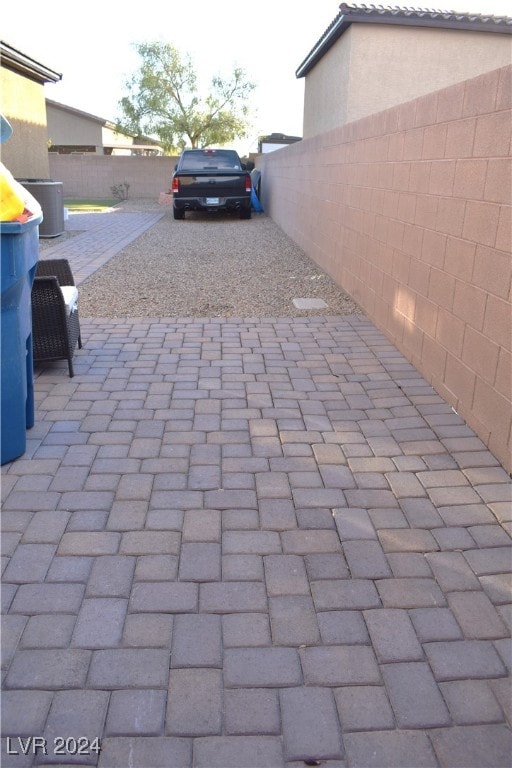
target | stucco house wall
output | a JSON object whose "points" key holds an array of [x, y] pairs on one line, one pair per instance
{"points": [[372, 67], [409, 210], [25, 153], [118, 142], [81, 131], [327, 89], [64, 123]]}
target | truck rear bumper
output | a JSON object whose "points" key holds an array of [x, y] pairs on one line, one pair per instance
{"points": [[212, 203]]}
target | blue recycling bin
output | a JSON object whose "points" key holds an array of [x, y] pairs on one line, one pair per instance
{"points": [[19, 256]]}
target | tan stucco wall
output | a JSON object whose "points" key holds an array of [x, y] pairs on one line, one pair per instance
{"points": [[63, 124], [109, 137], [25, 154], [375, 66], [327, 89]]}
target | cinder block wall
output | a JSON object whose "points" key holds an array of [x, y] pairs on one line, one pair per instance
{"points": [[409, 211], [93, 176]]}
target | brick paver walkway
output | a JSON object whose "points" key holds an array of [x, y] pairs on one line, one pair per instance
{"points": [[101, 236], [253, 544]]}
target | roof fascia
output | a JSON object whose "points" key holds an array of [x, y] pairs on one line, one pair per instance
{"points": [[19, 62], [87, 116], [76, 112], [338, 27]]}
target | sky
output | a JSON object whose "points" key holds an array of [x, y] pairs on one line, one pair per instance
{"points": [[92, 46]]}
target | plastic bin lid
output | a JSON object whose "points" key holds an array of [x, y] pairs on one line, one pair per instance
{"points": [[18, 227], [5, 129]]}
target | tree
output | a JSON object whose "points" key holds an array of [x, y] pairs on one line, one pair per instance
{"points": [[163, 100]]}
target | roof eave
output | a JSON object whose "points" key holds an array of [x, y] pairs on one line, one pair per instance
{"points": [[77, 112], [338, 27], [18, 62]]}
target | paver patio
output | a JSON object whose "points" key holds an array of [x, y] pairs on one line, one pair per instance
{"points": [[251, 543]]}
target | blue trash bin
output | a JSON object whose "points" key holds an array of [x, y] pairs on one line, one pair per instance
{"points": [[19, 256]]}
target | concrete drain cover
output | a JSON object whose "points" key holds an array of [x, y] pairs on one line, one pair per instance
{"points": [[310, 303]]}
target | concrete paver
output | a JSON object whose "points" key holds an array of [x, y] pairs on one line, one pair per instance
{"points": [[295, 552]]}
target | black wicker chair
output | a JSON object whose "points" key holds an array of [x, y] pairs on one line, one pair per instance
{"points": [[55, 327]]}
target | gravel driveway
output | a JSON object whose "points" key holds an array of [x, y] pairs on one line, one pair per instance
{"points": [[210, 265]]}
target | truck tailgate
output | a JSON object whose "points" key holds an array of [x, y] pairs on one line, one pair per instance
{"points": [[218, 185]]}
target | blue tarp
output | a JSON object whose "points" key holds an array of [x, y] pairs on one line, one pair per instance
{"points": [[255, 202], [255, 178]]}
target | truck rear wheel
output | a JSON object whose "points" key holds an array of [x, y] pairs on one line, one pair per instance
{"points": [[178, 213], [245, 213]]}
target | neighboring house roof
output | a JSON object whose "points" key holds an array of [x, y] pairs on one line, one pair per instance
{"points": [[19, 62], [149, 142], [279, 138], [351, 13], [276, 139]]}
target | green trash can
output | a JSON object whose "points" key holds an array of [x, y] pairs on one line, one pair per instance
{"points": [[19, 256]]}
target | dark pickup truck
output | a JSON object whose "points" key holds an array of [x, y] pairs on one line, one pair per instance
{"points": [[211, 180]]}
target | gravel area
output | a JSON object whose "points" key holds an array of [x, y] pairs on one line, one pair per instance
{"points": [[210, 265]]}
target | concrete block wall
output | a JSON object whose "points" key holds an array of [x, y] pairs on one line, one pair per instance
{"points": [[93, 176], [409, 210]]}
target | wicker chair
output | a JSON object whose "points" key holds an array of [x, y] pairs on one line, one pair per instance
{"points": [[55, 326]]}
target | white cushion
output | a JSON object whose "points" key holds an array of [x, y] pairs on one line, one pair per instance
{"points": [[70, 295]]}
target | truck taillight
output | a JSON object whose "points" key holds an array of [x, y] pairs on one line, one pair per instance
{"points": [[248, 184], [175, 185]]}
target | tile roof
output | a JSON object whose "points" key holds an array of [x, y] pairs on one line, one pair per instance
{"points": [[420, 13], [350, 13]]}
